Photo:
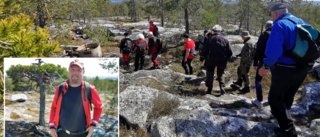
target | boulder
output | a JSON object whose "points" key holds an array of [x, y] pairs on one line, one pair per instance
{"points": [[315, 126], [311, 95], [18, 98], [193, 117], [165, 77]]}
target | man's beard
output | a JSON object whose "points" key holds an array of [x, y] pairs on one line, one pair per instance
{"points": [[75, 79]]}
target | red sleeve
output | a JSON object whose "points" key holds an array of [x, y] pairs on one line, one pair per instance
{"points": [[187, 46], [53, 109], [151, 28], [147, 45], [97, 110], [134, 45]]}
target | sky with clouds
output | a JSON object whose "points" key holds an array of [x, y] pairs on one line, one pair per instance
{"points": [[92, 67]]}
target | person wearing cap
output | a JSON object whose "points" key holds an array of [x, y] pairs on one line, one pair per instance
{"points": [[286, 75], [258, 60], [70, 111], [153, 28], [125, 49], [245, 63], [140, 46], [188, 54], [153, 45], [217, 52]]}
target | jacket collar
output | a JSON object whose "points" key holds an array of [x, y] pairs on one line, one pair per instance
{"points": [[287, 15]]}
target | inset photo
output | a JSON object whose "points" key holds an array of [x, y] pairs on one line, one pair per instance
{"points": [[65, 97]]}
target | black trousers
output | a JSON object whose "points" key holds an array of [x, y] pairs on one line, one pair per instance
{"points": [[221, 66], [141, 58], [184, 65], [284, 85]]}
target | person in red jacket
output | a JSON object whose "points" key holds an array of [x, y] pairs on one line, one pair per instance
{"points": [[70, 111], [153, 28], [153, 50]]}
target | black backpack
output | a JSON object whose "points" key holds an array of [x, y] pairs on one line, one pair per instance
{"points": [[142, 47], [86, 88], [155, 31], [159, 43], [305, 50], [127, 45]]}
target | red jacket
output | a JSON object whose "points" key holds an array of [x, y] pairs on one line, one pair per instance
{"points": [[56, 106]]}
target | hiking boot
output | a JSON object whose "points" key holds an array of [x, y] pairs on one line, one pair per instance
{"points": [[257, 103], [238, 82], [291, 132], [245, 90]]}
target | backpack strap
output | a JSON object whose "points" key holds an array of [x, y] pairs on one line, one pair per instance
{"points": [[59, 92], [88, 93], [300, 21], [285, 53]]}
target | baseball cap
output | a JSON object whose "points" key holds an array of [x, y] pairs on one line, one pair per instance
{"points": [[185, 35], [277, 6], [78, 63], [216, 28], [245, 34]]}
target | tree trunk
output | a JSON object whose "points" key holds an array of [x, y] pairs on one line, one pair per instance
{"points": [[40, 12], [186, 19], [248, 17], [162, 13], [42, 100], [241, 20]]}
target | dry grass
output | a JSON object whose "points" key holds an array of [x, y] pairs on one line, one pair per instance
{"points": [[7, 102], [236, 42], [14, 115], [162, 106], [124, 132], [191, 87], [153, 83]]}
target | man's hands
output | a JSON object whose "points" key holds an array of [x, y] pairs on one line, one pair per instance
{"points": [[90, 130], [53, 133], [263, 72]]}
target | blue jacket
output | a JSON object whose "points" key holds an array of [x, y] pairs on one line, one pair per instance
{"points": [[283, 35]]}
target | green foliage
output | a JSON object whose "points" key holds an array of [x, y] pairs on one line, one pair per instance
{"points": [[108, 87], [21, 41], [100, 35], [25, 77], [110, 64]]}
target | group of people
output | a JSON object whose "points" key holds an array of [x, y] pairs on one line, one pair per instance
{"points": [[269, 55], [279, 36], [141, 48]]}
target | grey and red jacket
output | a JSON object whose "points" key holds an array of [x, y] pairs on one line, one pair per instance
{"points": [[56, 106]]}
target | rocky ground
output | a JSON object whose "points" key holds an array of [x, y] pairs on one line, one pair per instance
{"points": [[21, 117], [166, 102]]}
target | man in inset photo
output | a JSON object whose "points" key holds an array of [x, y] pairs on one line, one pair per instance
{"points": [[78, 97]]}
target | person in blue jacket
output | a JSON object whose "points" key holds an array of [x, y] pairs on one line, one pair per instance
{"points": [[286, 75]]}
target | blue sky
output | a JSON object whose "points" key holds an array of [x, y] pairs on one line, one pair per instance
{"points": [[91, 65]]}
